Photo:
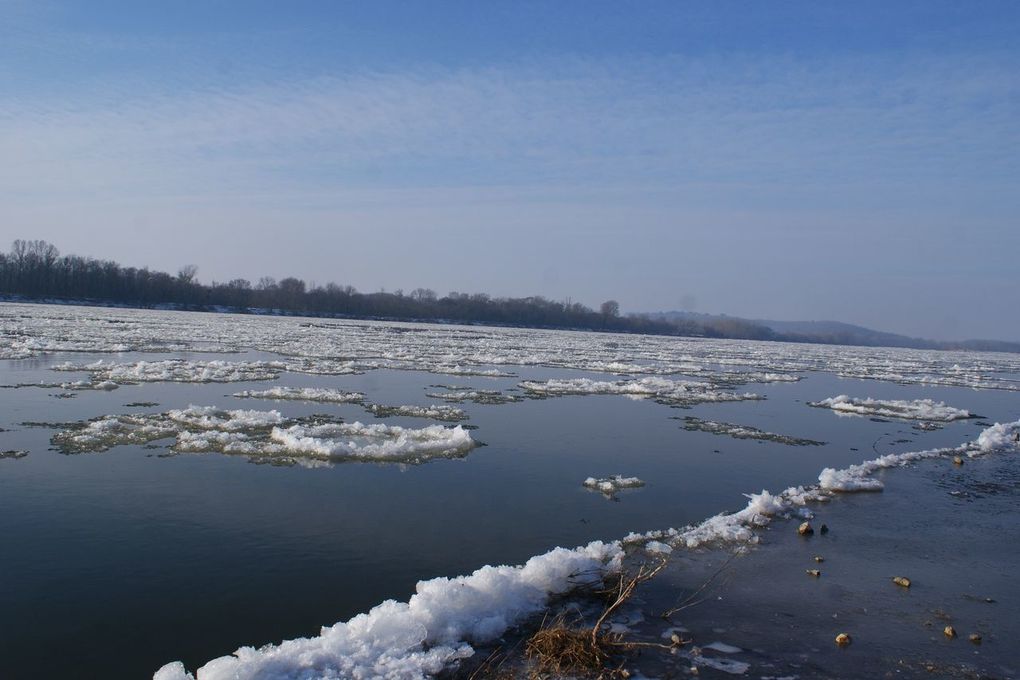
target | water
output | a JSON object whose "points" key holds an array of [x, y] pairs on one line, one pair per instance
{"points": [[115, 563]]}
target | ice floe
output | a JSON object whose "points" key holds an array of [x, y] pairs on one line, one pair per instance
{"points": [[317, 394], [744, 432], [176, 370], [916, 409], [443, 412], [662, 390], [610, 485], [266, 436], [338, 347], [459, 395]]}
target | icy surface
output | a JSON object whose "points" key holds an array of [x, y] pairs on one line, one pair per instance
{"points": [[610, 485], [663, 390], [304, 394], [436, 627], [266, 436], [917, 409], [334, 347], [744, 432], [459, 395], [421, 637], [443, 412], [177, 370]]}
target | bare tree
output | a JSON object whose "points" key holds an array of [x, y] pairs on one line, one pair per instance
{"points": [[187, 273], [610, 309]]}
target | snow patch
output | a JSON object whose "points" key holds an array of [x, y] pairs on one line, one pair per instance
{"points": [[917, 409]]}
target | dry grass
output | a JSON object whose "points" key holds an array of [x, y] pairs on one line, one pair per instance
{"points": [[559, 648], [562, 649]]}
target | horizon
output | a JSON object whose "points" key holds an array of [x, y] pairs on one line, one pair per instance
{"points": [[796, 162]]}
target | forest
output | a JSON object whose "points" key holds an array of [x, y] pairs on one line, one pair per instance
{"points": [[35, 270]]}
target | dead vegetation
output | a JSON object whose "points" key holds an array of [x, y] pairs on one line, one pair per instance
{"points": [[572, 644]]}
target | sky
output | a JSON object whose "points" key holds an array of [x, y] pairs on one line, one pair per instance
{"points": [[787, 160]]}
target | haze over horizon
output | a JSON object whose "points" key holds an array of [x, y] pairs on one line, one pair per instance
{"points": [[801, 161]]}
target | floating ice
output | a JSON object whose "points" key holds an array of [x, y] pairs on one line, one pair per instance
{"points": [[211, 418], [266, 436], [663, 390], [468, 371], [435, 412], [177, 370], [304, 394], [744, 432], [739, 526], [339, 347], [377, 442], [435, 628], [610, 485], [459, 395], [917, 409]]}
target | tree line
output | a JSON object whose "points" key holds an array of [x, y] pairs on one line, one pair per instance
{"points": [[35, 270]]}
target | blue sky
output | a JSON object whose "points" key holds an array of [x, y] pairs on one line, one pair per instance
{"points": [[814, 160]]}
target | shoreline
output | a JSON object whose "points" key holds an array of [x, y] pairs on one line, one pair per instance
{"points": [[450, 619]]}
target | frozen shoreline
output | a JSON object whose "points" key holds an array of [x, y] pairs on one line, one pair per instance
{"points": [[438, 625]]}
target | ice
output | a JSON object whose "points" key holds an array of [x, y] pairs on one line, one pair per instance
{"points": [[377, 442], [442, 412], [657, 548], [744, 432], [725, 665], [419, 638], [267, 436], [435, 628], [610, 485], [739, 526], [338, 347], [177, 370], [468, 371], [304, 394], [459, 395], [211, 418], [663, 390], [917, 409]]}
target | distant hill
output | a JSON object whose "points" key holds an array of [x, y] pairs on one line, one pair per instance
{"points": [[827, 332]]}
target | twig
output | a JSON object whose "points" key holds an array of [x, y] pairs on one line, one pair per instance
{"points": [[689, 600]]}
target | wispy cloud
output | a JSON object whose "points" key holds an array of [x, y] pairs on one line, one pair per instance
{"points": [[666, 121], [675, 173]]}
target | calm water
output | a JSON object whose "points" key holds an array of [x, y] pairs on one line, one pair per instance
{"points": [[115, 563]]}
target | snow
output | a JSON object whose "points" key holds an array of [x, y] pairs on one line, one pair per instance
{"points": [[378, 442], [917, 409], [420, 637], [610, 485], [435, 412], [211, 418], [423, 636], [336, 347], [177, 370], [303, 394], [679, 392], [438, 625], [761, 507], [267, 436]]}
